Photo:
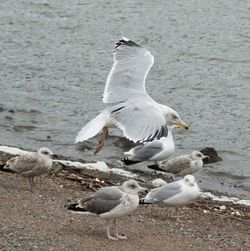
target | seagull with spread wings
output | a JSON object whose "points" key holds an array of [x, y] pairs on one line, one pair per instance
{"points": [[131, 109]]}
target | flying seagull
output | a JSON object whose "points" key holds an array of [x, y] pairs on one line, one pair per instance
{"points": [[130, 109], [31, 164], [111, 203]]}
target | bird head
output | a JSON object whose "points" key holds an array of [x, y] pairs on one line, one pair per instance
{"points": [[196, 155], [132, 187], [173, 119], [45, 151], [190, 180]]}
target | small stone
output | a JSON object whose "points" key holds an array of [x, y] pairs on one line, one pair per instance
{"points": [[223, 207], [238, 213], [205, 211]]}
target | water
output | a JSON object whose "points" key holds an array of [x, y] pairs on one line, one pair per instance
{"points": [[56, 55]]}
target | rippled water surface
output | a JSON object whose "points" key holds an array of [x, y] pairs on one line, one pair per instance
{"points": [[55, 57]]}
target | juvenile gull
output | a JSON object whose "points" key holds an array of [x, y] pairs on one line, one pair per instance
{"points": [[158, 149], [130, 109], [175, 194], [31, 165], [111, 203], [184, 164]]}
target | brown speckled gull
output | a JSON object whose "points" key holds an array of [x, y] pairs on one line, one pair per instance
{"points": [[31, 164]]}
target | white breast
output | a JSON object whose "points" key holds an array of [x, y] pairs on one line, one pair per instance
{"points": [[128, 205]]}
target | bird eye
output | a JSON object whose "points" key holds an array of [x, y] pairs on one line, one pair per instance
{"points": [[133, 186], [174, 117]]}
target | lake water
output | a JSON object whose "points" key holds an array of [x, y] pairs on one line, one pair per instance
{"points": [[56, 55]]}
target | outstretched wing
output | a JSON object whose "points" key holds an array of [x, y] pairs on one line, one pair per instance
{"points": [[140, 121], [127, 76]]}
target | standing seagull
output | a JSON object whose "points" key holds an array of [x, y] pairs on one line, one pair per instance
{"points": [[31, 165], [158, 149], [184, 164], [175, 194], [131, 109], [111, 203]]}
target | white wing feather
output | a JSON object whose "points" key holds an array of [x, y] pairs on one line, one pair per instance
{"points": [[127, 76]]}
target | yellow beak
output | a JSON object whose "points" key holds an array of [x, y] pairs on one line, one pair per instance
{"points": [[182, 125]]}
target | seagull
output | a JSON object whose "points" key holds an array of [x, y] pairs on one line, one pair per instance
{"points": [[130, 108], [158, 182], [111, 203], [184, 164], [156, 150], [31, 164], [175, 194]]}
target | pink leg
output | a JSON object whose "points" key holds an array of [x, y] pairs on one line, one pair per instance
{"points": [[110, 237], [31, 181], [101, 143], [177, 215], [122, 237]]}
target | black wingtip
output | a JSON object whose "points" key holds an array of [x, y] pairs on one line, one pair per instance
{"points": [[143, 202], [128, 162], [75, 207], [71, 206], [125, 41], [155, 167]]}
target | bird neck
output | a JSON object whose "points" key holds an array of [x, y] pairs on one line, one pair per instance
{"points": [[168, 139]]}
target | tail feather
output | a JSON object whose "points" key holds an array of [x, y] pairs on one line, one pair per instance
{"points": [[92, 128], [155, 167], [75, 208], [144, 201], [128, 162]]}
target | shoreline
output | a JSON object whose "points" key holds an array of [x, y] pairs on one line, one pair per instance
{"points": [[34, 219], [102, 167]]}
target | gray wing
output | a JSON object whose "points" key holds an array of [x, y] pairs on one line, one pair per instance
{"points": [[176, 164], [140, 120], [104, 200], [127, 76], [146, 151], [164, 192]]}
